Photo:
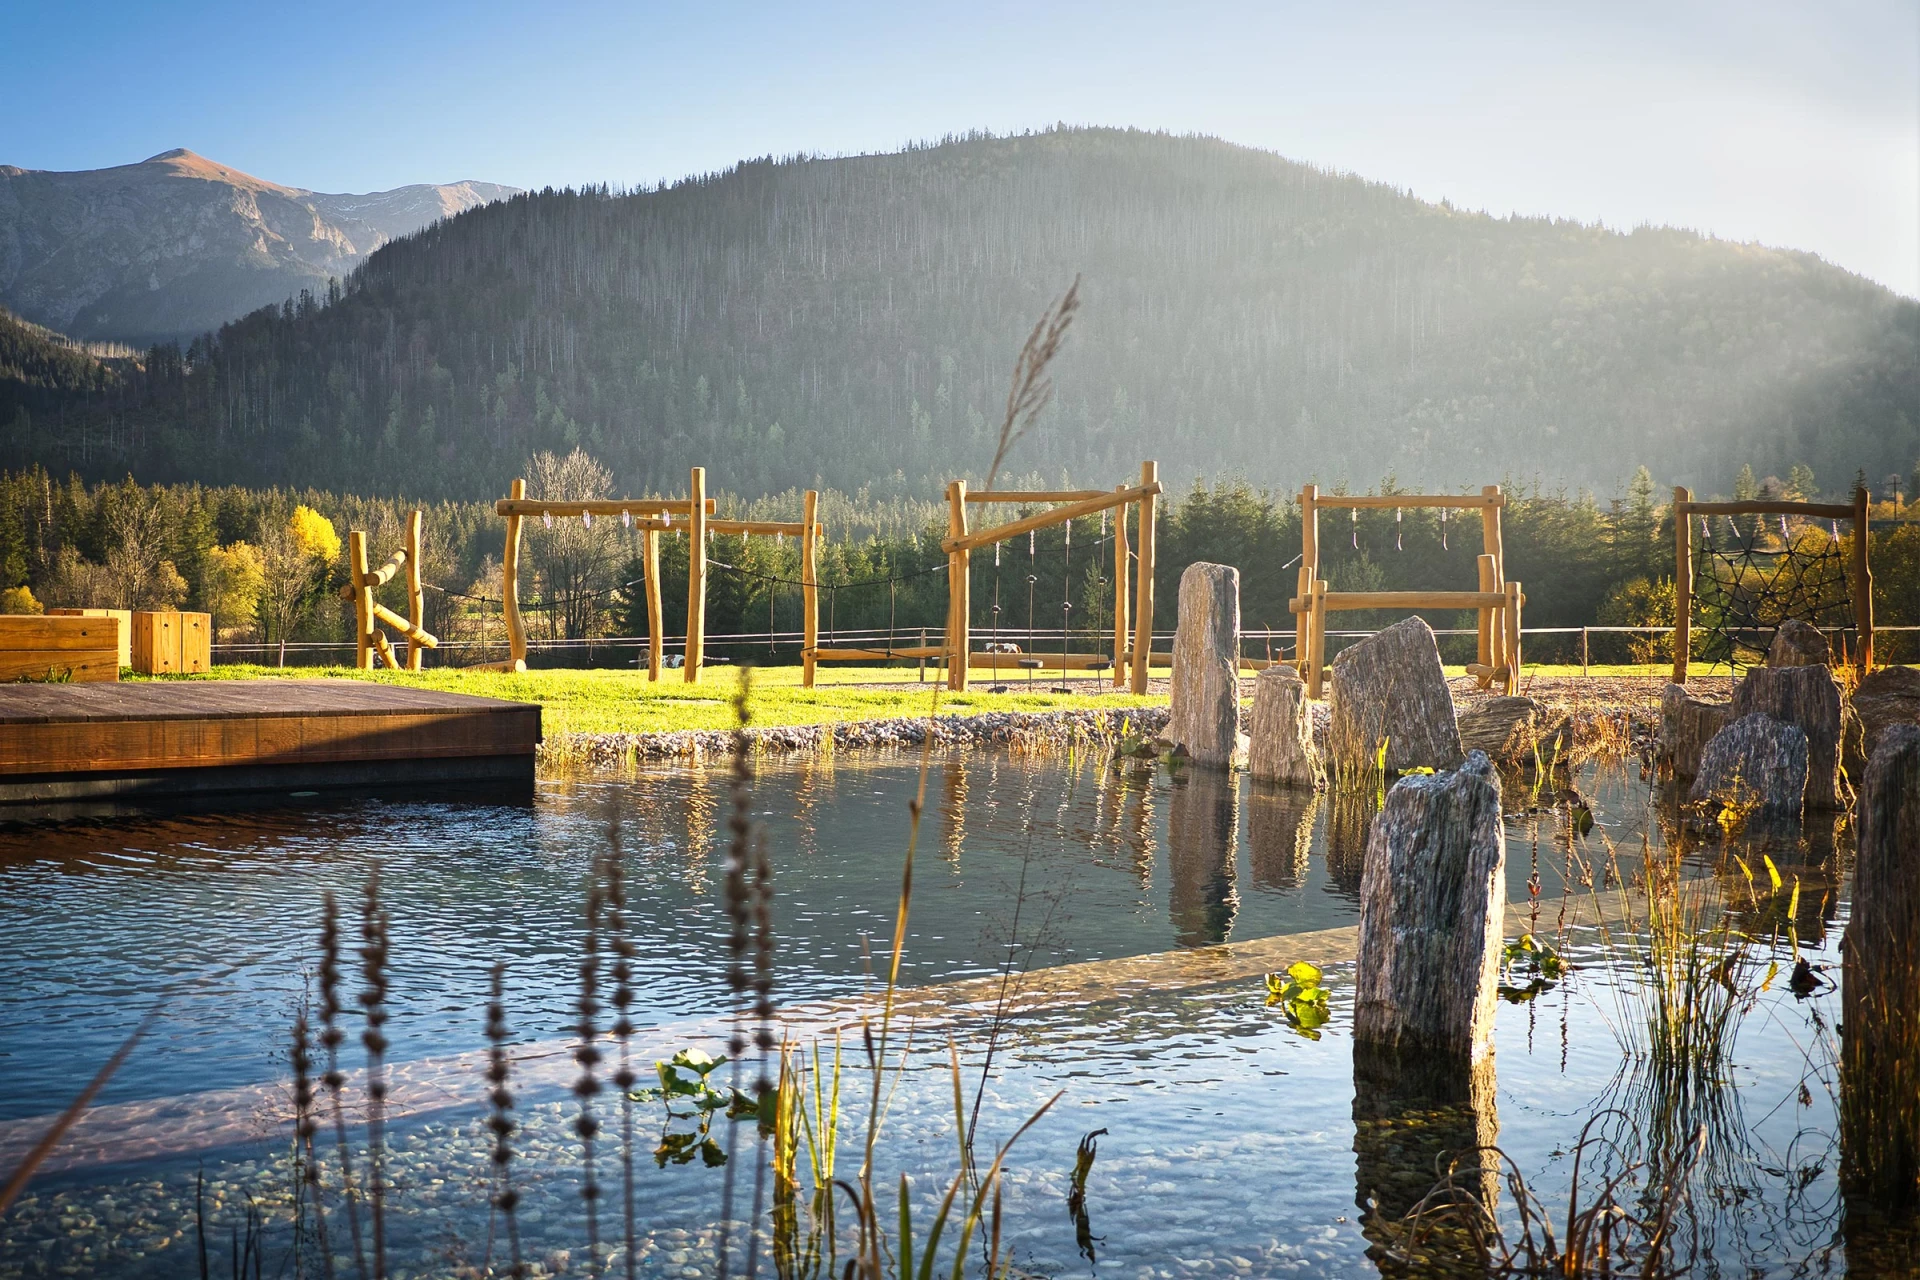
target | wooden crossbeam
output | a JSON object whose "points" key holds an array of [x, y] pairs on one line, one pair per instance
{"points": [[419, 635], [598, 507], [1349, 601], [1811, 510], [1371, 501], [1045, 519], [844, 653], [1016, 496]]}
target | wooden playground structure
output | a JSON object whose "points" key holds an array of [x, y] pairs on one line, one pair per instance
{"points": [[369, 613], [1498, 601], [1859, 571]]}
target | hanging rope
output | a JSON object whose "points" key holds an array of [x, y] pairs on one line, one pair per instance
{"points": [[1746, 588]]}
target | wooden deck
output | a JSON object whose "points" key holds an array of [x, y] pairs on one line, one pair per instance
{"points": [[64, 742]]}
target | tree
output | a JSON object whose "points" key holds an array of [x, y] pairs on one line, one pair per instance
{"points": [[1745, 487], [1800, 483], [19, 600], [142, 576], [235, 580], [297, 558], [573, 559]]}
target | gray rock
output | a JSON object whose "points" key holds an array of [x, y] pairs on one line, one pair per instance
{"points": [[1280, 746], [1757, 765], [1508, 729], [1687, 724], [1885, 698], [1204, 720], [1431, 914], [1390, 688], [1808, 698], [1799, 644]]}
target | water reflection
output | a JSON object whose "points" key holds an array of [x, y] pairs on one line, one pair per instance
{"points": [[1203, 821], [1280, 834], [1349, 815]]}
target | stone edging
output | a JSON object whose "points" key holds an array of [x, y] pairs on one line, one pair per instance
{"points": [[990, 728]]}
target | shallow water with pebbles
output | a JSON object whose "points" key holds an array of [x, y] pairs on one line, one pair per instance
{"points": [[1232, 1146]]}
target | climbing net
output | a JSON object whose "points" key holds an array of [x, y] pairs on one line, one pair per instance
{"points": [[1751, 574]]}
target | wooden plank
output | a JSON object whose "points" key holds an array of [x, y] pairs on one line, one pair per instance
{"points": [[1010, 662], [1047, 519], [959, 587], [123, 616], [656, 625], [521, 505], [1039, 495], [88, 665], [32, 631], [1455, 502]]}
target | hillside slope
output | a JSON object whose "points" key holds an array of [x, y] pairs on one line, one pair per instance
{"points": [[853, 321], [178, 244]]}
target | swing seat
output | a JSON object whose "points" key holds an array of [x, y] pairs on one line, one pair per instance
{"points": [[1031, 664]]}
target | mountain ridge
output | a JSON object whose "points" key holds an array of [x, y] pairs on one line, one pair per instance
{"points": [[178, 244], [851, 321]]}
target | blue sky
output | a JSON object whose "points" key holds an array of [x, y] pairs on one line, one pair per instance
{"points": [[1794, 124]]}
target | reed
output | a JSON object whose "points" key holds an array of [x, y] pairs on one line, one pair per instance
{"points": [[500, 1122], [374, 955], [621, 943], [306, 1167], [587, 1054], [737, 898], [332, 1036]]}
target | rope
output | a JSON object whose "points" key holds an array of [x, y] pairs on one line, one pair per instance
{"points": [[1751, 588]]}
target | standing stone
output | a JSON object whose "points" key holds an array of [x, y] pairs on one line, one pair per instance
{"points": [[1687, 724], [1757, 764], [1507, 729], [1205, 719], [1808, 698], [1431, 913], [1799, 644], [1390, 688], [1281, 745], [1885, 698], [1880, 987]]}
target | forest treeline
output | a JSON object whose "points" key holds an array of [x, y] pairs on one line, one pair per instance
{"points": [[267, 563], [849, 323]]}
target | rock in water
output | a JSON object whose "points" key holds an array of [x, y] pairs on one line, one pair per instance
{"points": [[1687, 724], [1431, 912], [1756, 766], [1799, 644], [1887, 697], [1390, 688], [1879, 1068], [1808, 698], [1205, 721], [1281, 745], [1507, 729]]}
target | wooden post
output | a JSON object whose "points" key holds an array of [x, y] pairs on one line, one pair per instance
{"points": [[656, 631], [1682, 582], [1489, 637], [510, 586], [1143, 589], [1514, 601], [809, 583], [1309, 571], [1583, 651], [697, 577], [1862, 577], [362, 600], [959, 590], [1317, 640], [1121, 598], [415, 604], [1494, 543]]}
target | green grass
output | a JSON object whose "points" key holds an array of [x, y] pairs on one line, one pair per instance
{"points": [[599, 701]]}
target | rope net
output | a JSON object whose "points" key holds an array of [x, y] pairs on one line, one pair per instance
{"points": [[1751, 575]]}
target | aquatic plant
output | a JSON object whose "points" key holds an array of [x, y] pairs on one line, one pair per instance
{"points": [[1299, 994]]}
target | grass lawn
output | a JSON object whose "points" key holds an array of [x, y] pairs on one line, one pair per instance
{"points": [[602, 701]]}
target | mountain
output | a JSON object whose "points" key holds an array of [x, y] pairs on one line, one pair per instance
{"points": [[854, 321], [178, 244]]}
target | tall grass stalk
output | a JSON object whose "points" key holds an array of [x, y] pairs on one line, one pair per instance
{"points": [[624, 1078], [335, 1080], [739, 908], [374, 951], [500, 1122], [306, 1168]]}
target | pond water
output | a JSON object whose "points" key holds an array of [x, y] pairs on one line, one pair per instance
{"points": [[1232, 1143]]}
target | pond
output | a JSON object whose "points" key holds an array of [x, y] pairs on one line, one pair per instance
{"points": [[1231, 1144]]}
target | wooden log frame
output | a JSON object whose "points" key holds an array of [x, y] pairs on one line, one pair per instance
{"points": [[1132, 611], [653, 517], [1859, 570], [368, 613], [1497, 601]]}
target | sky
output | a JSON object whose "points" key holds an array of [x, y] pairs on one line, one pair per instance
{"points": [[1790, 122]]}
